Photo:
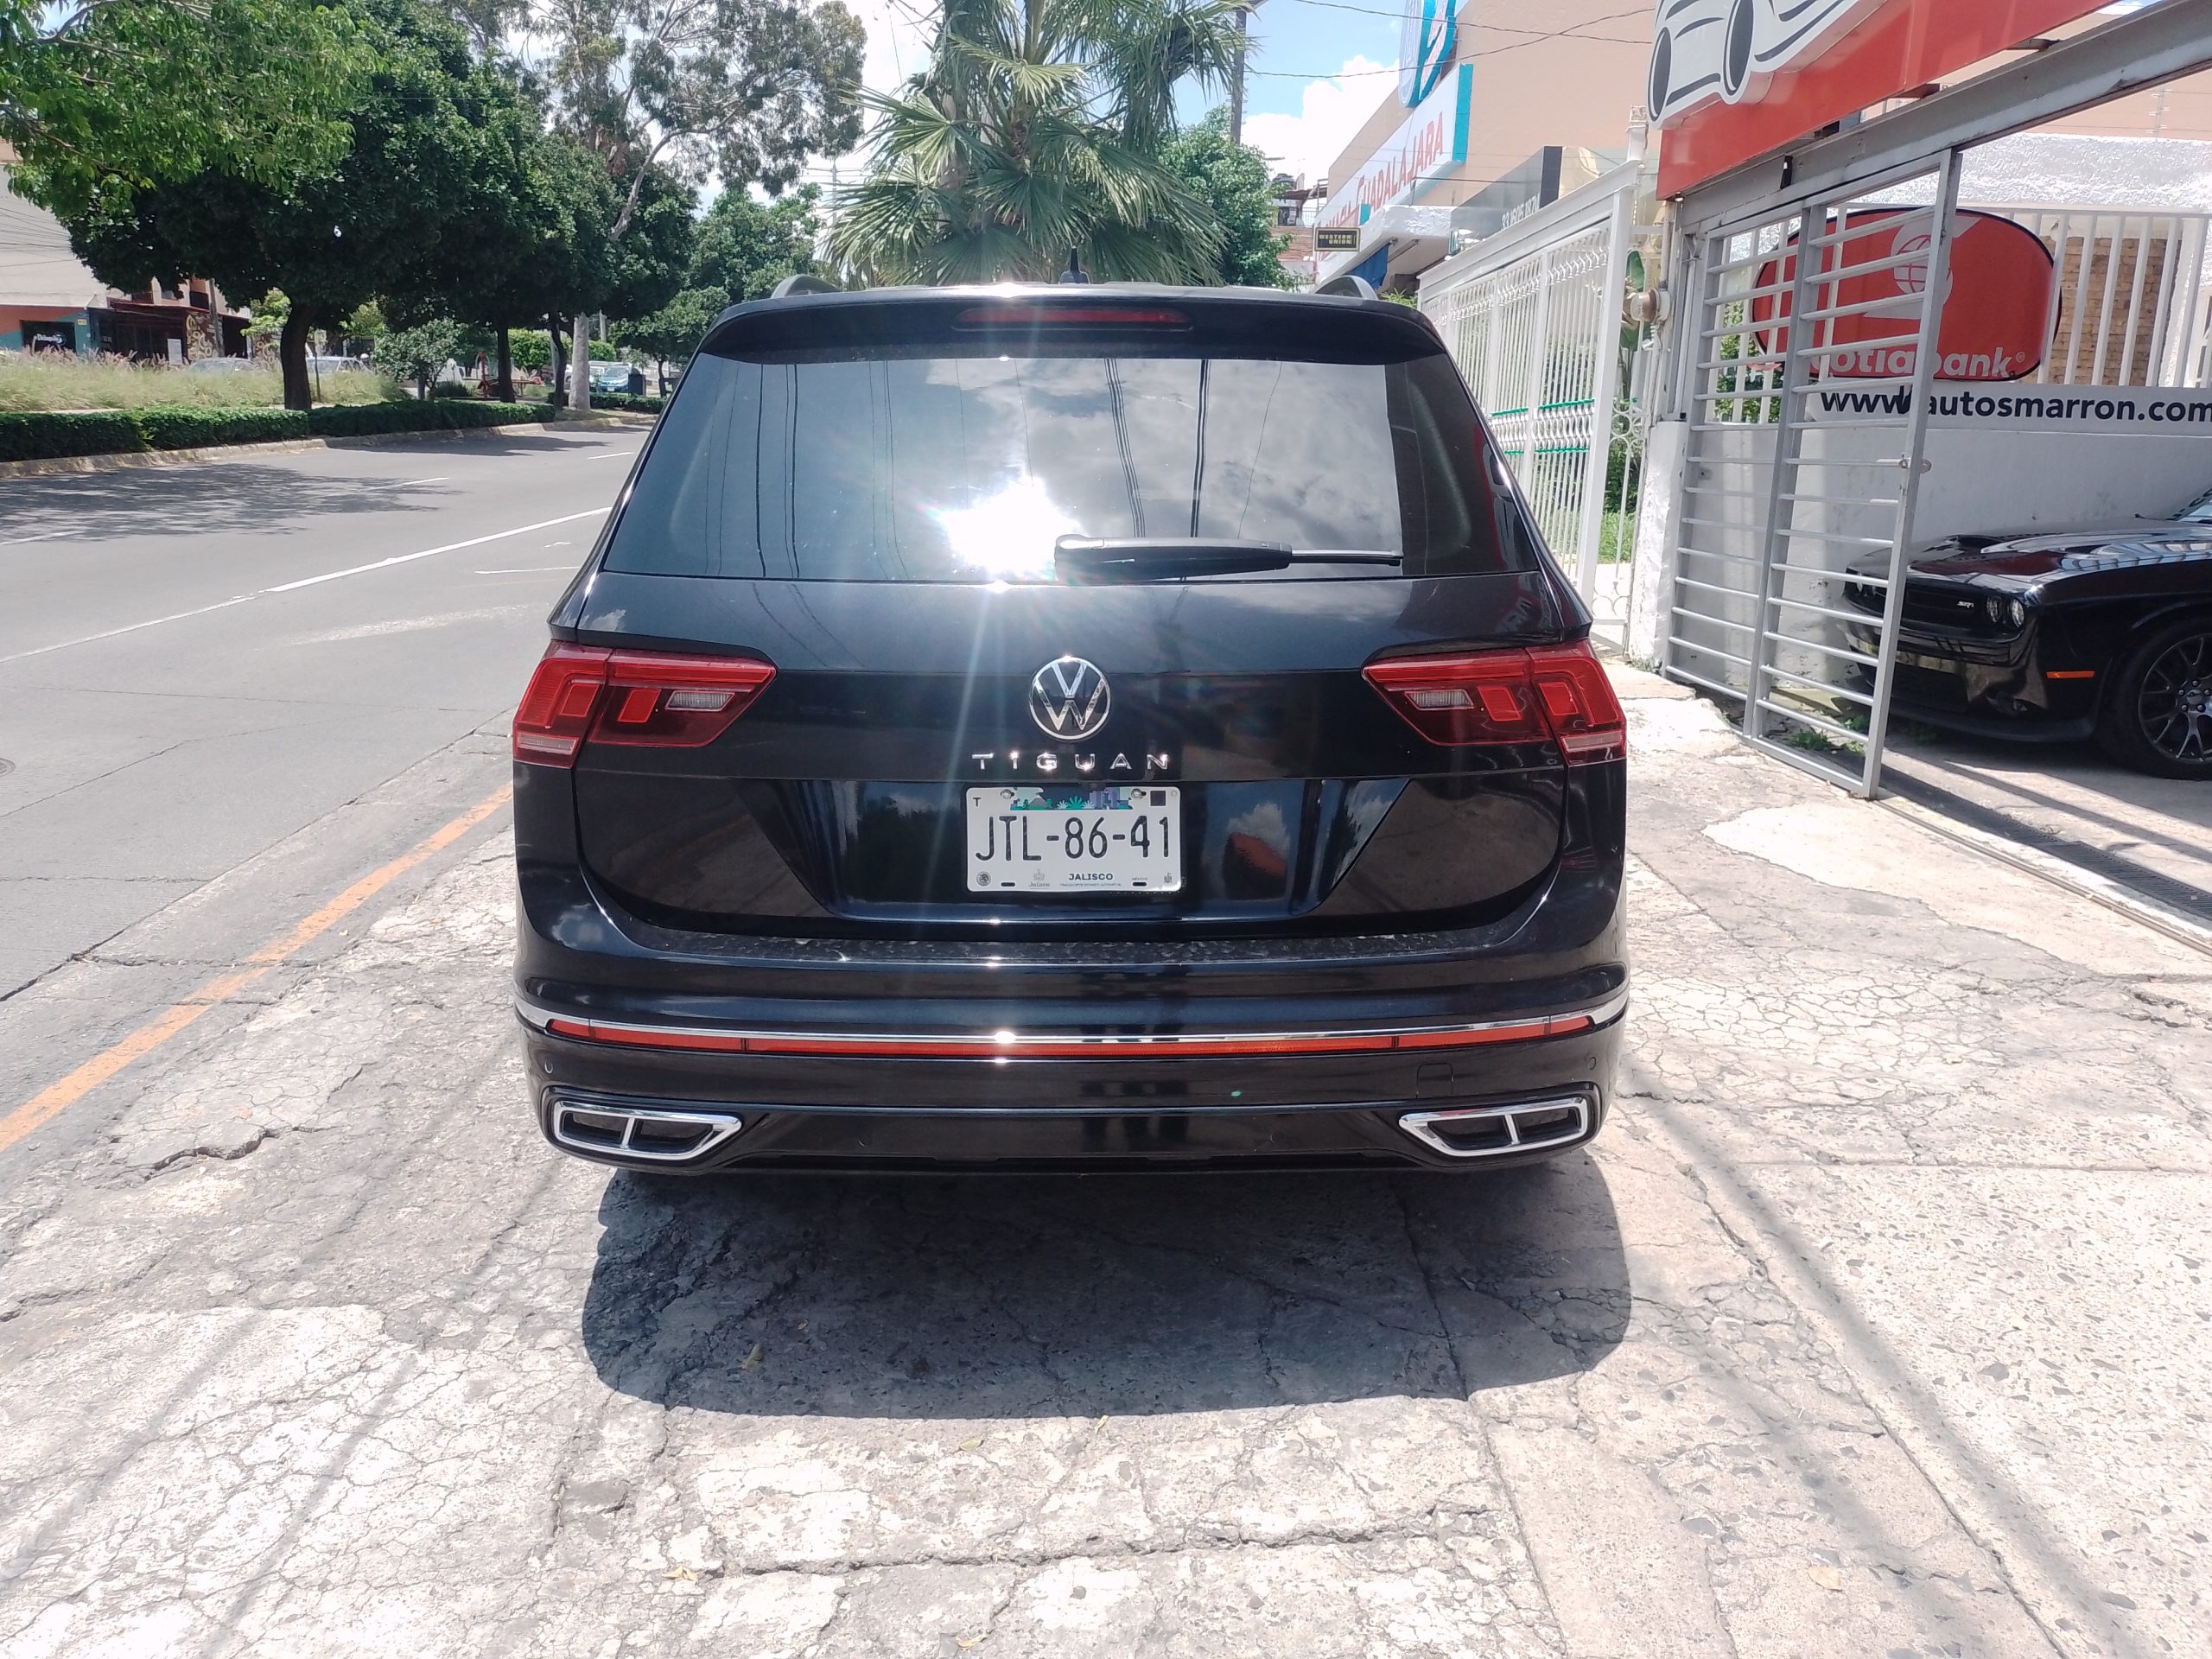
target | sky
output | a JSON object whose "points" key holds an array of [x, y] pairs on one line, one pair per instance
{"points": [[1317, 70]]}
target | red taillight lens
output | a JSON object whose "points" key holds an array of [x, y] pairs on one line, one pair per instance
{"points": [[1576, 696], [652, 698], [1556, 692], [556, 712]]}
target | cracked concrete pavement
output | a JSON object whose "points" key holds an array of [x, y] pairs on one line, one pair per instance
{"points": [[1875, 1324]]}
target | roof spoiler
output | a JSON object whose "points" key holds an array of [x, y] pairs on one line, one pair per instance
{"points": [[800, 281]]}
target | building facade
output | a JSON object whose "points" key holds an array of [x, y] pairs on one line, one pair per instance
{"points": [[50, 301], [1497, 108]]}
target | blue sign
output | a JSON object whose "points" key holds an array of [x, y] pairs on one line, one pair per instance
{"points": [[1426, 45]]}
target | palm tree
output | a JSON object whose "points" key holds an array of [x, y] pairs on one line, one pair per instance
{"points": [[1036, 129]]}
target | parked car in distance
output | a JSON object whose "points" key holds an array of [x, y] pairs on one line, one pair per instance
{"points": [[618, 376], [2104, 631], [334, 364], [1088, 727], [220, 366]]}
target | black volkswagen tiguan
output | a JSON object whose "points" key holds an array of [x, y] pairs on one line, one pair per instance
{"points": [[1095, 727]]}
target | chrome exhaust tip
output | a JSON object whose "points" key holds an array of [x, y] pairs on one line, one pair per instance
{"points": [[1497, 1131], [598, 1127]]}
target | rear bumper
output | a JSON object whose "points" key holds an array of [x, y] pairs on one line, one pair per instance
{"points": [[1477, 1104], [881, 1052]]}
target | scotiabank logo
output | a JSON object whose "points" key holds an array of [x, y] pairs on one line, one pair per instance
{"points": [[1996, 302]]}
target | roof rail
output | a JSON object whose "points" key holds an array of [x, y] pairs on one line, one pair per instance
{"points": [[800, 281], [1350, 287]]}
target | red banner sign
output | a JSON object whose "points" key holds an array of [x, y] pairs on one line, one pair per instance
{"points": [[1996, 312], [1735, 79]]}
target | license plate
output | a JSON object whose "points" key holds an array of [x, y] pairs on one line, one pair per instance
{"points": [[1124, 839]]}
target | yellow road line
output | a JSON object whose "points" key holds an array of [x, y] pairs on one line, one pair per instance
{"points": [[57, 1098]]}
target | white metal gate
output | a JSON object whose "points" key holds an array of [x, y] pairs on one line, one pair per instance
{"points": [[1807, 355], [1532, 318]]}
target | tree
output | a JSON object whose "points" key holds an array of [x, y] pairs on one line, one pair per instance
{"points": [[746, 89], [517, 242], [365, 228], [148, 91], [745, 247], [673, 334], [1036, 129], [1234, 182], [419, 353], [650, 263]]}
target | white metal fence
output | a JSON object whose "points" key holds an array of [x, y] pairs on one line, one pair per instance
{"points": [[2128, 306], [2130, 295], [1532, 318]]}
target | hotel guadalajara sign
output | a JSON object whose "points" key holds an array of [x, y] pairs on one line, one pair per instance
{"points": [[1430, 143], [1732, 80]]}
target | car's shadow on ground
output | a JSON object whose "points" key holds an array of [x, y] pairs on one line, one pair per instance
{"points": [[229, 498], [1033, 1296]]}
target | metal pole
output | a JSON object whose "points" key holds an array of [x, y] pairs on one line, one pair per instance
{"points": [[1237, 82], [1598, 465], [1533, 397], [1923, 375], [1781, 482]]}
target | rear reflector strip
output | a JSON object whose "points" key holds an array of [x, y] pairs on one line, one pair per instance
{"points": [[1019, 1046]]}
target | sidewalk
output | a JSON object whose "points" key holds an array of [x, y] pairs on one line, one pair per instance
{"points": [[1876, 1323]]}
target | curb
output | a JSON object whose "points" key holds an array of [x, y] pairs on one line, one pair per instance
{"points": [[2176, 924], [132, 459]]}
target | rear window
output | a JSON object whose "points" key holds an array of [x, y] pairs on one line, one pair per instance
{"points": [[933, 464]]}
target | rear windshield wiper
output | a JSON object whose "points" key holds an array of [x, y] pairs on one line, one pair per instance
{"points": [[1165, 558]]}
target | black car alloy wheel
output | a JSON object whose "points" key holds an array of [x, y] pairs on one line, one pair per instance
{"points": [[2158, 716]]}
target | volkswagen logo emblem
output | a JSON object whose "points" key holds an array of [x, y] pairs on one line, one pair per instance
{"points": [[1069, 698]]}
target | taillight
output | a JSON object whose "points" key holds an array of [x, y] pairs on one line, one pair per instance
{"points": [[660, 699], [1554, 692]]}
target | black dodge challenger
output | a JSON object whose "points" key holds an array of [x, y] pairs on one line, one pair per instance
{"points": [[2104, 631]]}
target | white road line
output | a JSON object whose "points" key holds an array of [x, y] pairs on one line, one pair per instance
{"points": [[429, 552], [410, 483], [155, 622], [304, 581], [50, 536], [611, 455]]}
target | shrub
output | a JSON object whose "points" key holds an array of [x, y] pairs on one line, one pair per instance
{"points": [[199, 429], [441, 414], [45, 436], [452, 388], [627, 404]]}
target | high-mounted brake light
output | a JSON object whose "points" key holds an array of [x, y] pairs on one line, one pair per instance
{"points": [[1554, 692], [654, 699], [1071, 316]]}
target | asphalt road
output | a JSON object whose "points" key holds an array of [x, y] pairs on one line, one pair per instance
{"points": [[1877, 1323], [226, 689]]}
